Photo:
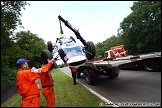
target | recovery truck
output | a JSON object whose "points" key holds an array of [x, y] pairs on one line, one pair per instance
{"points": [[94, 67], [99, 66]]}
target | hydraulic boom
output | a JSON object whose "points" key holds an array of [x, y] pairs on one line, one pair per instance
{"points": [[73, 29]]}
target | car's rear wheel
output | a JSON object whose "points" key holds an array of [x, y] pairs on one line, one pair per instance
{"points": [[50, 47], [90, 50], [72, 38]]}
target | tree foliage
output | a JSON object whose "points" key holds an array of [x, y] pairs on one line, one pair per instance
{"points": [[32, 44], [23, 45], [10, 19], [101, 47], [141, 30]]}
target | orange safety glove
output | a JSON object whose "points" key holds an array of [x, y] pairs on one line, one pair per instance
{"points": [[51, 62]]}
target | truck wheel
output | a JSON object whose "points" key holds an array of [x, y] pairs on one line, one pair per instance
{"points": [[46, 54], [88, 77], [50, 47], [91, 51], [149, 66], [113, 73]]}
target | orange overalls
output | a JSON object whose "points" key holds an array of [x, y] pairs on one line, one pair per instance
{"points": [[27, 88], [47, 86]]}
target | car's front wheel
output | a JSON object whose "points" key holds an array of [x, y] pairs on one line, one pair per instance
{"points": [[45, 56]]}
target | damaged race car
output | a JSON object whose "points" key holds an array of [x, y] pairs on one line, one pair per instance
{"points": [[68, 49]]}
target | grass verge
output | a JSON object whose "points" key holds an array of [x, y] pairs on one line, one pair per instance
{"points": [[66, 94]]}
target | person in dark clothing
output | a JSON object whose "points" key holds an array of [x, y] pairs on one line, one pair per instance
{"points": [[73, 73]]}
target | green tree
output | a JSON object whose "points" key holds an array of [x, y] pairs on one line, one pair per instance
{"points": [[10, 20], [27, 45], [141, 30], [106, 45], [32, 44], [99, 48]]}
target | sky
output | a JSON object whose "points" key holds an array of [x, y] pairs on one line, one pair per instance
{"points": [[95, 20]]}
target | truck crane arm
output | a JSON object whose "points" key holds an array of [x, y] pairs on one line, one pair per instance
{"points": [[76, 32]]}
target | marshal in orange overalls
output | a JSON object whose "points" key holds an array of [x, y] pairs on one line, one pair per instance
{"points": [[27, 88], [47, 86], [26, 84]]}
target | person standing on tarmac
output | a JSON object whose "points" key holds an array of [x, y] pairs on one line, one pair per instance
{"points": [[26, 83], [47, 86], [73, 73]]}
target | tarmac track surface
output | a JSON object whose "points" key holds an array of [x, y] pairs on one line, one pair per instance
{"points": [[131, 88]]}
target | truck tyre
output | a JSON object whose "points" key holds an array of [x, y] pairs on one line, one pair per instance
{"points": [[114, 73], [46, 54], [50, 47], [149, 66], [88, 77], [91, 51]]}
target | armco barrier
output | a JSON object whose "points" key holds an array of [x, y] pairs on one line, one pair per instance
{"points": [[8, 90]]}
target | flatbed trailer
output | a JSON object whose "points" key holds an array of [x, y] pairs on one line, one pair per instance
{"points": [[98, 66]]}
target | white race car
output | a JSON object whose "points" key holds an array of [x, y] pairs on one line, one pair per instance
{"points": [[68, 49]]}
